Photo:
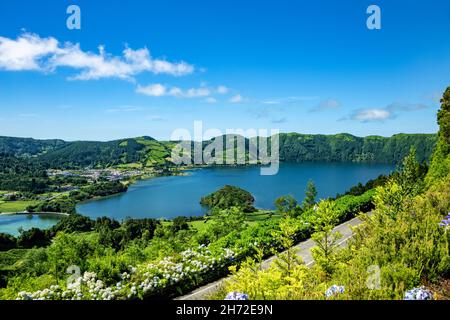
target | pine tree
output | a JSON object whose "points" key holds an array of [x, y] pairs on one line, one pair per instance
{"points": [[310, 195]]}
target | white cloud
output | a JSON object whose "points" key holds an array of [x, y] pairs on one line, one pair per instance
{"points": [[153, 90], [381, 114], [222, 90], [202, 91], [279, 120], [287, 100], [328, 104], [236, 99], [155, 118], [196, 92], [31, 52], [159, 90], [399, 106], [26, 52], [369, 115], [270, 102], [211, 100], [124, 109]]}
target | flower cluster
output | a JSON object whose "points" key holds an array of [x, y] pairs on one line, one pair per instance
{"points": [[236, 296], [172, 270], [445, 222], [418, 294], [52, 293], [87, 287], [139, 281], [334, 290]]}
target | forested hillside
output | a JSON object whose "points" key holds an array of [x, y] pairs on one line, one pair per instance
{"points": [[148, 152], [143, 150], [28, 146], [296, 147]]}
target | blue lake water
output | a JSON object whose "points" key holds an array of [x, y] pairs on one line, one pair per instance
{"points": [[11, 223], [168, 197]]}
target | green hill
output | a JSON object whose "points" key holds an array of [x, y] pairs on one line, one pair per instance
{"points": [[296, 147], [28, 146], [144, 151], [148, 152]]}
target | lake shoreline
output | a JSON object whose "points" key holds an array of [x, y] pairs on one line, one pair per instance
{"points": [[33, 213], [171, 197]]}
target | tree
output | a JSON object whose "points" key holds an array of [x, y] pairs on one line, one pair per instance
{"points": [[179, 223], [440, 161], [288, 259], [7, 242], [310, 195], [228, 197], [225, 221], [33, 238], [326, 217], [73, 223], [411, 174], [286, 205], [67, 250]]}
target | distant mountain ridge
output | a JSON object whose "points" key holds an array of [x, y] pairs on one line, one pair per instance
{"points": [[148, 152], [344, 147], [28, 146]]}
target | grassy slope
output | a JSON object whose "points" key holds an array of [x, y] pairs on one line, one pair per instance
{"points": [[16, 206]]}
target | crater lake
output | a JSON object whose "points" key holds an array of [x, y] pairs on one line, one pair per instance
{"points": [[172, 196]]}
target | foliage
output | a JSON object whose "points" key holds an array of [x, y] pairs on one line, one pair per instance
{"points": [[179, 223], [33, 238], [296, 147], [407, 247], [412, 174], [359, 189], [222, 221], [27, 146], [288, 259], [67, 203], [7, 242], [144, 150], [72, 223], [403, 238], [227, 197], [310, 195], [440, 162], [147, 151], [324, 253], [286, 205], [401, 245], [22, 175], [111, 248]]}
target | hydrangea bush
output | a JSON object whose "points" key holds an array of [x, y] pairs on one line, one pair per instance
{"points": [[236, 296], [445, 223], [418, 294], [334, 290], [190, 266]]}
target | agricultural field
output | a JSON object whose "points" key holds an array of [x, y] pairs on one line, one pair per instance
{"points": [[16, 206]]}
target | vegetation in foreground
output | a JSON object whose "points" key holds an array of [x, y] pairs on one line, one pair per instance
{"points": [[138, 259], [401, 248], [145, 258]]}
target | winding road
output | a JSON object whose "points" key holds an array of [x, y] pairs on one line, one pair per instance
{"points": [[303, 249]]}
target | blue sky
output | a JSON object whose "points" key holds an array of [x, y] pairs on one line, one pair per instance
{"points": [[150, 67]]}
